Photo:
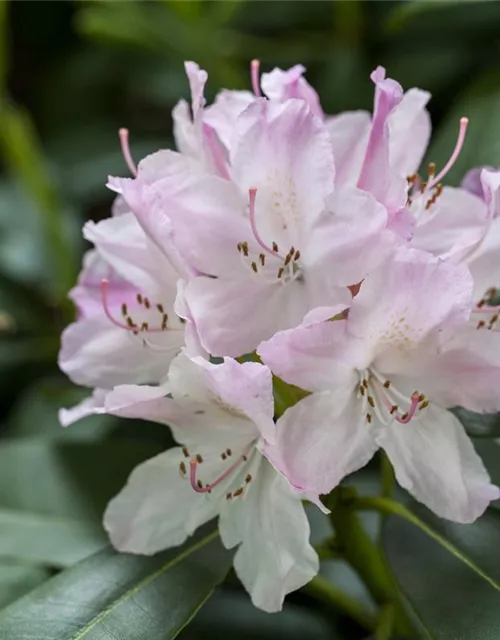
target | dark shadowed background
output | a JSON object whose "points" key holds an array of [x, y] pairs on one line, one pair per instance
{"points": [[71, 74]]}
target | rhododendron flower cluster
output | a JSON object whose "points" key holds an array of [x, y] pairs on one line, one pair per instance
{"points": [[279, 242]]}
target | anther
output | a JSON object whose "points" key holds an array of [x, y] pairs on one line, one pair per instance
{"points": [[229, 452], [200, 484], [124, 310], [223, 456], [371, 401], [296, 256], [130, 323], [280, 272], [238, 492], [262, 259], [404, 415], [369, 418], [160, 308], [387, 384], [229, 496], [365, 383], [199, 458], [393, 409], [424, 404], [275, 247], [254, 266], [238, 246], [139, 298], [288, 257], [480, 324], [432, 169], [362, 390], [244, 248], [144, 326], [248, 478], [147, 304], [182, 467], [185, 452]]}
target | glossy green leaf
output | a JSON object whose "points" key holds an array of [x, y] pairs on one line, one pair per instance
{"points": [[18, 578], [480, 102], [453, 596], [110, 596], [51, 540], [72, 479], [479, 425]]}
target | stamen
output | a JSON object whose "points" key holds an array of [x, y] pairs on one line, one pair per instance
{"points": [[238, 492], [254, 74], [127, 156], [107, 311], [406, 417], [464, 122], [193, 464]]}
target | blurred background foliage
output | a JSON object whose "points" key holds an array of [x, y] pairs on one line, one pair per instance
{"points": [[71, 74]]}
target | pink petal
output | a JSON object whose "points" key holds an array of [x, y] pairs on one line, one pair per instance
{"points": [[282, 85]]}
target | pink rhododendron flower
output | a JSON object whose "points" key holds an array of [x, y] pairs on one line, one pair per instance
{"points": [[220, 414], [385, 376]]}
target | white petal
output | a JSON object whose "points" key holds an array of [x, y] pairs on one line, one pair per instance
{"points": [[435, 461], [274, 557], [157, 508]]}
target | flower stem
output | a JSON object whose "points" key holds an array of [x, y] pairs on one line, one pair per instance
{"points": [[385, 624], [364, 556], [387, 476], [323, 590]]}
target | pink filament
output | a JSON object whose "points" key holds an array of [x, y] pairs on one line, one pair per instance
{"points": [[254, 74], [464, 122], [414, 404], [193, 464], [215, 148], [127, 156], [117, 323], [252, 194]]}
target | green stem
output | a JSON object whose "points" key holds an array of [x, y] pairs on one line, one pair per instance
{"points": [[387, 476], [326, 592], [363, 555], [385, 624]]}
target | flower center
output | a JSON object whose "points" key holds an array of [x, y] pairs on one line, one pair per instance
{"points": [[381, 399], [237, 466], [270, 262]]}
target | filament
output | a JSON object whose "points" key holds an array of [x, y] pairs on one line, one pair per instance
{"points": [[193, 465], [127, 156], [464, 122], [254, 74]]}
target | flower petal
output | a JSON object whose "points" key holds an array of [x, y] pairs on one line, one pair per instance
{"points": [[282, 85], [91, 405], [435, 461], [157, 508], [349, 133], [321, 439], [275, 556]]}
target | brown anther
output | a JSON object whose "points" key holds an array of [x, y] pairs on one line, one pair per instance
{"points": [[432, 169], [139, 298], [124, 310], [387, 384], [365, 383], [160, 308], [262, 259], [229, 496], [144, 326], [130, 323], [394, 408], [185, 452], [494, 318], [223, 456], [229, 452], [480, 324], [411, 179], [369, 417], [423, 186], [362, 390], [275, 247], [481, 303], [288, 257], [244, 458], [147, 304], [200, 484], [199, 458], [421, 397], [424, 404], [164, 322], [238, 246], [248, 478], [238, 492], [280, 272], [244, 248], [254, 266], [371, 401], [404, 416], [182, 467], [296, 256]]}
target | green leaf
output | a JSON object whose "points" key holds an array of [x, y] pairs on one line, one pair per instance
{"points": [[481, 104], [72, 479], [452, 595], [479, 425], [407, 11], [110, 596], [18, 578], [54, 541]]}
